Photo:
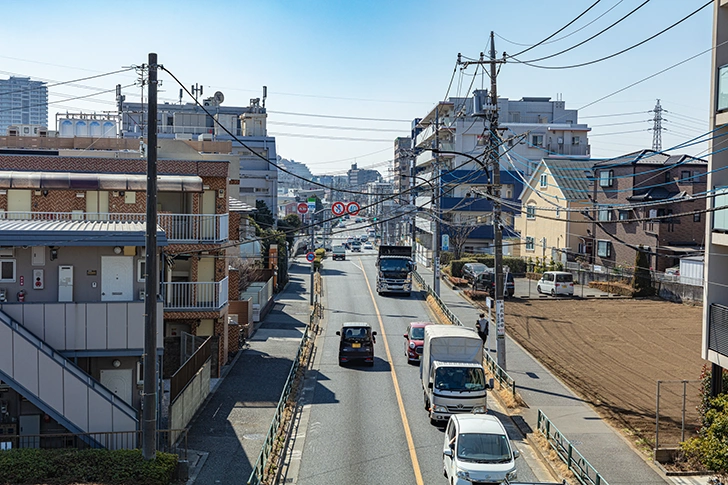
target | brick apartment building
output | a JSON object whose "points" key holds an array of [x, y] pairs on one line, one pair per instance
{"points": [[632, 194]]}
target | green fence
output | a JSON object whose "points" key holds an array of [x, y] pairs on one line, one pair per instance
{"points": [[256, 477], [503, 378], [582, 469]]}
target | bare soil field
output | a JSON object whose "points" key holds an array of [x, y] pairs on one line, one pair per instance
{"points": [[613, 352]]}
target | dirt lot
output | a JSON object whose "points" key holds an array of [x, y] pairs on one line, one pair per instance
{"points": [[612, 352]]}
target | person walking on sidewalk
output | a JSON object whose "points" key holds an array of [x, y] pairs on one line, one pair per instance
{"points": [[481, 325]]}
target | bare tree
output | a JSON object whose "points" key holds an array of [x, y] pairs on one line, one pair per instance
{"points": [[247, 268], [459, 231]]}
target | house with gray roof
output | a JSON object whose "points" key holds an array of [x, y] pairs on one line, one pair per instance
{"points": [[552, 224]]}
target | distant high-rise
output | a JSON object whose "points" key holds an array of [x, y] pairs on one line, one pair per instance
{"points": [[22, 102]]}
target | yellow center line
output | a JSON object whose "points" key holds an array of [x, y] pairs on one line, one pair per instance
{"points": [[400, 403]]}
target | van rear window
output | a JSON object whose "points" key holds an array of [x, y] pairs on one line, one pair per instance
{"points": [[564, 278]]}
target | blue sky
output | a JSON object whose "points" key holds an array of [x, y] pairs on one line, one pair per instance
{"points": [[386, 60]]}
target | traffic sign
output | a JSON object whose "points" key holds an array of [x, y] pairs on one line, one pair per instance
{"points": [[445, 242], [302, 208], [352, 208], [310, 257], [311, 204], [338, 208]]}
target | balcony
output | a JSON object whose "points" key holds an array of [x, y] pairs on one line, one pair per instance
{"points": [[195, 296], [179, 228]]}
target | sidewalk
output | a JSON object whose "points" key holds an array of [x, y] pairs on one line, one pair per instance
{"points": [[227, 434], [606, 450]]}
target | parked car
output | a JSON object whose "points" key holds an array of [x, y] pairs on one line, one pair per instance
{"points": [[477, 450], [556, 283], [486, 282], [356, 343], [368, 245], [471, 270], [414, 339]]}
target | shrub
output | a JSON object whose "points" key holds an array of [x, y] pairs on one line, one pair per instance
{"points": [[642, 281], [69, 466], [446, 257], [613, 287], [709, 448], [476, 295]]}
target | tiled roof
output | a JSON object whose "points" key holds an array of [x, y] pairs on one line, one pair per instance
{"points": [[572, 176], [650, 157], [236, 205]]}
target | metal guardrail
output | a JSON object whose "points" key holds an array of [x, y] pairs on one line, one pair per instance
{"points": [[575, 461], [258, 473], [503, 378]]}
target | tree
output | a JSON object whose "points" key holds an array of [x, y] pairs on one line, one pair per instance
{"points": [[459, 233], [272, 236], [293, 220], [642, 281], [264, 217]]}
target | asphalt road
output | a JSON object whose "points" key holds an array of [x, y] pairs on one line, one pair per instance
{"points": [[368, 425]]}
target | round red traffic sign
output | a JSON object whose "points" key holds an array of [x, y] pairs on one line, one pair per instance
{"points": [[310, 257], [338, 208], [302, 207], [352, 208]]}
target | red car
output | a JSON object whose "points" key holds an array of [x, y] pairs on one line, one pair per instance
{"points": [[414, 340]]}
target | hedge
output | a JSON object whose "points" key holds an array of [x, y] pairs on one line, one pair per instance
{"points": [[516, 265], [68, 466], [613, 287]]}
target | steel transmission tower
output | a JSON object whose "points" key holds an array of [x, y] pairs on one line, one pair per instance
{"points": [[657, 127]]}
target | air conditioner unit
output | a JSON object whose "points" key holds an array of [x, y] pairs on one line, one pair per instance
{"points": [[204, 137]]}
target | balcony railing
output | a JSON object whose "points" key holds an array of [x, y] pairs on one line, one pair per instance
{"points": [[180, 228], [195, 296]]}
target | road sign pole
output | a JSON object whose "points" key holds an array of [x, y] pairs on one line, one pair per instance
{"points": [[313, 248]]}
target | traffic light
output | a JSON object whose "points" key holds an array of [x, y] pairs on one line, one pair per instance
{"points": [[375, 219]]}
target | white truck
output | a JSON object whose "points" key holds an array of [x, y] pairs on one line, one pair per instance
{"points": [[452, 373]]}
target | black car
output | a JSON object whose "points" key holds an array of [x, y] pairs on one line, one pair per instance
{"points": [[486, 282], [471, 270], [357, 343]]}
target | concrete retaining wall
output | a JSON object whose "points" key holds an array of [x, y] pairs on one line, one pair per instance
{"points": [[184, 407]]}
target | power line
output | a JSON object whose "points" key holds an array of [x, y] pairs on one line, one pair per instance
{"points": [[61, 83], [338, 117]]}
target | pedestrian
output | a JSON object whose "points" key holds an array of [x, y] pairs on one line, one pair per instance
{"points": [[481, 325]]}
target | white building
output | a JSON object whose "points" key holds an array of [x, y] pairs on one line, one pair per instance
{"points": [[715, 304]]}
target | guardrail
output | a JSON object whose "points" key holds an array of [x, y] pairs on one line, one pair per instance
{"points": [[259, 468], [503, 378], [575, 461]]}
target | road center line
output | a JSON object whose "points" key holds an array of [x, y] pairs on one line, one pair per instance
{"points": [[400, 403]]}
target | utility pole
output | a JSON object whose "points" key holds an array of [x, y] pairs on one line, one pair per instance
{"points": [[657, 127], [149, 402], [493, 161], [313, 249], [435, 213]]}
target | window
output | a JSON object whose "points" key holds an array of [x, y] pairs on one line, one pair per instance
{"points": [[575, 140], [141, 270], [668, 177], [696, 217], [722, 89], [605, 214], [623, 215], [531, 212], [604, 249], [685, 176], [606, 178], [529, 244], [544, 181], [7, 270], [537, 140]]}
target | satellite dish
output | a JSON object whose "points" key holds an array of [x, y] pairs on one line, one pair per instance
{"points": [[219, 97]]}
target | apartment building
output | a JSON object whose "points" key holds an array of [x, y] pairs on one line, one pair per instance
{"points": [[23, 102], [637, 200], [89, 267], [458, 196], [715, 302]]}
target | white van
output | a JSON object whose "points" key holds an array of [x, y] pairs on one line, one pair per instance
{"points": [[556, 283]]}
